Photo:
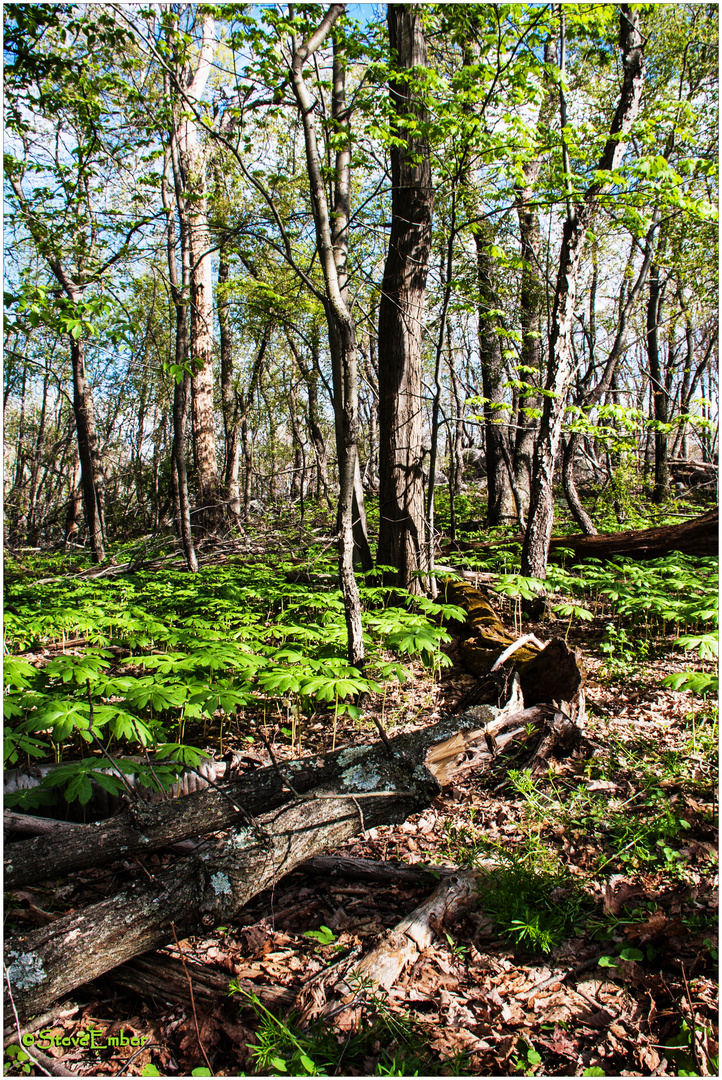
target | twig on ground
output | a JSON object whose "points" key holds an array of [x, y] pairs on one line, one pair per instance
{"points": [[34, 1060], [193, 1004], [693, 1027], [571, 973]]}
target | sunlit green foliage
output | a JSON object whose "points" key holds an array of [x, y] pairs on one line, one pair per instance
{"points": [[144, 654]]}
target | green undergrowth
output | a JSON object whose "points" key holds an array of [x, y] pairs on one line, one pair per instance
{"points": [[638, 810], [169, 663], [165, 662], [638, 606], [384, 1042]]}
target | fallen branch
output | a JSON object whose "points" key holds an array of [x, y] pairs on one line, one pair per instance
{"points": [[695, 536], [400, 946]]}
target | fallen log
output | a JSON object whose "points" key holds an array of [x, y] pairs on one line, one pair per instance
{"points": [[30, 825], [208, 888], [387, 873], [399, 947], [166, 978], [696, 536], [142, 829], [285, 818]]}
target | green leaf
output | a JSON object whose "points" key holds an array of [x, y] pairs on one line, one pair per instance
{"points": [[324, 936]]}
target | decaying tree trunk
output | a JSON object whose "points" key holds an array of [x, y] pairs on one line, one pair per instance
{"points": [[697, 536], [208, 888], [142, 829], [162, 976]]}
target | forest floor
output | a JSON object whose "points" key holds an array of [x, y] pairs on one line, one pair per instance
{"points": [[593, 950]]}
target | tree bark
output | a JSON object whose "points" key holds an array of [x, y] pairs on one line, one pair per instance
{"points": [[73, 512], [531, 300], [181, 378], [310, 373], [190, 167], [658, 388], [231, 419], [401, 530], [142, 829], [500, 502], [87, 451]]}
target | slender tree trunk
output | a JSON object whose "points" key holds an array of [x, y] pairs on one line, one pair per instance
{"points": [[189, 167], [181, 377], [310, 373], [297, 477], [73, 512], [660, 397], [231, 420], [87, 449], [446, 269], [35, 482], [500, 505], [339, 240], [531, 300], [561, 359], [401, 532], [319, 444], [342, 329], [457, 471], [181, 392], [247, 468]]}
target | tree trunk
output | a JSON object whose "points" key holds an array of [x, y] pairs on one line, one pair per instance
{"points": [[339, 241], [181, 377], [561, 358], [658, 388], [181, 390], [87, 450], [73, 513], [231, 419], [36, 464], [190, 182], [500, 502], [401, 531], [341, 325], [297, 488], [208, 889]]}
